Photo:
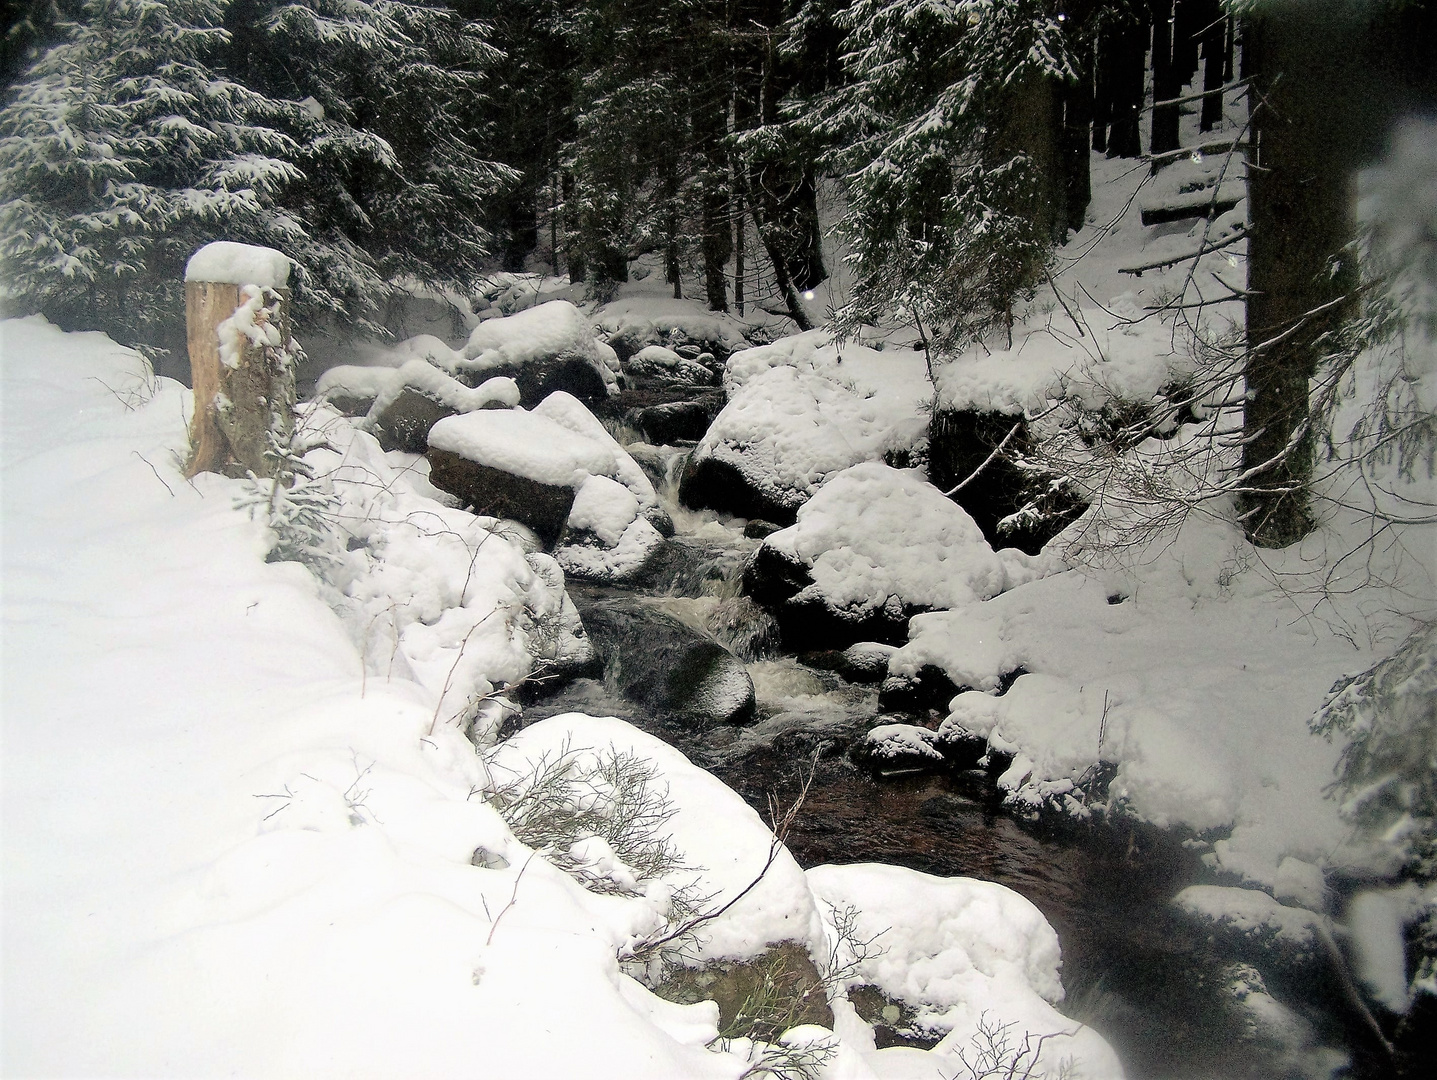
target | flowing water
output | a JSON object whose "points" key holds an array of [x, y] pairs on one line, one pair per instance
{"points": [[1150, 981]]}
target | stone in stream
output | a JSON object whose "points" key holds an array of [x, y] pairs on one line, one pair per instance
{"points": [[674, 671]]}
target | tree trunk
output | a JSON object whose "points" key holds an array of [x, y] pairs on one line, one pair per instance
{"points": [[244, 393], [1122, 60], [1301, 273], [1214, 52], [1077, 118], [1167, 83]]}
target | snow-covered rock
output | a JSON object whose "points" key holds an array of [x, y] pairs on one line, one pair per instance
{"points": [[873, 547], [799, 411], [890, 747], [657, 365], [545, 348], [963, 954], [415, 397], [1254, 924], [633, 322]]}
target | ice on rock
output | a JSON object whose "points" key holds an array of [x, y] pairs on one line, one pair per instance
{"points": [[239, 264]]}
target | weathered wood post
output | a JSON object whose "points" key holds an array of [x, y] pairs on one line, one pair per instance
{"points": [[241, 359]]}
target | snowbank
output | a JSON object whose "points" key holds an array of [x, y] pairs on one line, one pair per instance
{"points": [[965, 955], [264, 866]]}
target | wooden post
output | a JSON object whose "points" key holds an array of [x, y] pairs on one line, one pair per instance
{"points": [[242, 371]]}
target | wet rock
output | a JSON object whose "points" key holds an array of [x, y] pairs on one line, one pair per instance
{"points": [[895, 1023], [712, 483], [959, 441], [775, 579], [757, 529], [544, 349], [961, 747], [656, 365], [899, 748], [418, 395], [406, 423], [929, 688], [865, 662], [759, 998], [542, 507], [668, 423], [669, 668]]}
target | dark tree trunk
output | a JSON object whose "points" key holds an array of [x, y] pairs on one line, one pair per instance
{"points": [[1167, 81], [1077, 119], [1189, 19], [573, 250], [1214, 52], [521, 235], [1122, 63], [1300, 267]]}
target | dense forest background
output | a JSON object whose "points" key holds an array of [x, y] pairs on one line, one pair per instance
{"points": [[385, 145]]}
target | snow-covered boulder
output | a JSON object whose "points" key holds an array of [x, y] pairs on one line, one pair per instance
{"points": [[1252, 925], [544, 349], [633, 322], [556, 470], [960, 957], [899, 748], [410, 400], [799, 411], [515, 464], [660, 366], [873, 547]]}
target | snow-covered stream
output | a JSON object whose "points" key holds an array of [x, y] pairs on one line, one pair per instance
{"points": [[1155, 984]]}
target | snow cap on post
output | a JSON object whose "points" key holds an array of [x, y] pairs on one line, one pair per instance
{"points": [[239, 264]]}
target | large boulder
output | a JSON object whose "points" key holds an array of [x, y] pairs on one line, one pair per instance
{"points": [[515, 464], [556, 470], [799, 411], [655, 365], [875, 546], [675, 672], [418, 395], [629, 324], [546, 348], [672, 422]]}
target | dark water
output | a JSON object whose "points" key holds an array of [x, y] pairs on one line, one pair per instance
{"points": [[1147, 979]]}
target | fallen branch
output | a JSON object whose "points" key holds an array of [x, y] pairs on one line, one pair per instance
{"points": [[1241, 234]]}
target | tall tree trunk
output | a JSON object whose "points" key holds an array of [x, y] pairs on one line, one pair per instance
{"points": [[1122, 60], [1167, 83], [1301, 271], [1214, 52], [1077, 119]]}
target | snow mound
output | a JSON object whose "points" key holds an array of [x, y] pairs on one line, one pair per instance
{"points": [[553, 330], [1252, 913], [424, 377], [651, 320], [1109, 360], [803, 408], [527, 444], [964, 954], [722, 842], [239, 264], [873, 534]]}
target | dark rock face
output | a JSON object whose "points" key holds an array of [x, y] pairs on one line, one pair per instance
{"points": [[405, 424], [674, 422], [540, 378], [542, 507], [959, 441], [809, 625], [710, 484], [894, 1022], [760, 998], [674, 671], [931, 688], [349, 404]]}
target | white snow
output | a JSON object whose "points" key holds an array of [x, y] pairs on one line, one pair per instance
{"points": [[249, 323], [962, 953], [654, 319], [872, 532], [802, 409], [262, 867], [604, 507], [889, 741], [569, 412], [239, 264], [1251, 912], [527, 444], [424, 377]]}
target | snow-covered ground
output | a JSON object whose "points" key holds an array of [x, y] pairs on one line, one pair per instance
{"points": [[240, 837]]}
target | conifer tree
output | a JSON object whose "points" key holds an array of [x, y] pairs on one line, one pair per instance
{"points": [[946, 135], [124, 150]]}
